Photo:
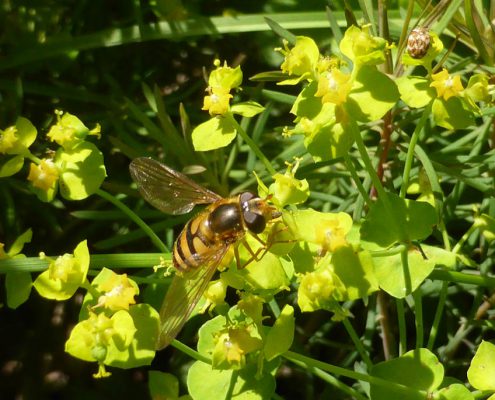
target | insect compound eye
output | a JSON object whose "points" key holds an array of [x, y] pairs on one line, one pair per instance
{"points": [[256, 223], [245, 197]]}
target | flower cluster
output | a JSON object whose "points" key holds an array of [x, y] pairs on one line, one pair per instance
{"points": [[222, 128], [337, 94], [76, 166]]}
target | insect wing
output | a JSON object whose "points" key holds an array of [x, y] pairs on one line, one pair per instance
{"points": [[184, 293], [166, 189]]}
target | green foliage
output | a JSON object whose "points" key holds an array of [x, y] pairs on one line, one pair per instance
{"points": [[280, 336], [81, 171], [480, 372], [164, 386], [394, 219], [418, 369], [17, 283], [372, 145]]}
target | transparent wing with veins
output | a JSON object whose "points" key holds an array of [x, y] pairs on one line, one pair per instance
{"points": [[166, 189], [184, 293]]}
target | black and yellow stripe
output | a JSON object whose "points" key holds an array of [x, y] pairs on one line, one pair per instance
{"points": [[195, 240]]}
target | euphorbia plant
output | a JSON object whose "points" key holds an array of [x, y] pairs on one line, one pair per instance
{"points": [[310, 259]]}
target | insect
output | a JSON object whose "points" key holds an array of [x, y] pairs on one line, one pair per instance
{"points": [[205, 239]]}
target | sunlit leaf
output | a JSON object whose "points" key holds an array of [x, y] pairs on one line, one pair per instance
{"points": [[420, 364]]}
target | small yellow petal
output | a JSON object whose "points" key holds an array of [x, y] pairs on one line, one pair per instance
{"points": [[44, 175], [8, 139], [446, 85]]}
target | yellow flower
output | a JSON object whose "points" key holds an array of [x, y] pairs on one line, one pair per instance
{"points": [[69, 130], [447, 86], [287, 189], [302, 59], [8, 139], [43, 176], [333, 86], [119, 292], [252, 306], [214, 294], [320, 289], [64, 268], [217, 103], [331, 234], [232, 345], [225, 77]]}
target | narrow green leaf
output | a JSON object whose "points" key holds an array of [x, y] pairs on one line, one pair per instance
{"points": [[280, 31]]}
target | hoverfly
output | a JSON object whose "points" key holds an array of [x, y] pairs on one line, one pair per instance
{"points": [[204, 240]]}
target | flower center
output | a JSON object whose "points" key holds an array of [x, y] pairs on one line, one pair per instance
{"points": [[332, 83]]}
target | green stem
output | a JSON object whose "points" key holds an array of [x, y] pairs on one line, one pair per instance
{"points": [[404, 256], [411, 148], [229, 164], [418, 314], [250, 142], [357, 342], [367, 161], [190, 352], [438, 315], [463, 239], [133, 216], [32, 157], [401, 318], [97, 261], [382, 194], [459, 277], [312, 363], [389, 252], [332, 381], [350, 167]]}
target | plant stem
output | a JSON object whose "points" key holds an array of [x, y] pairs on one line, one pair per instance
{"points": [[357, 181], [388, 252], [463, 239], [418, 314], [411, 148], [357, 342], [401, 318], [367, 161], [438, 315], [388, 340], [253, 146], [133, 216], [190, 352], [32, 157], [332, 381], [312, 363], [382, 194], [97, 261]]}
